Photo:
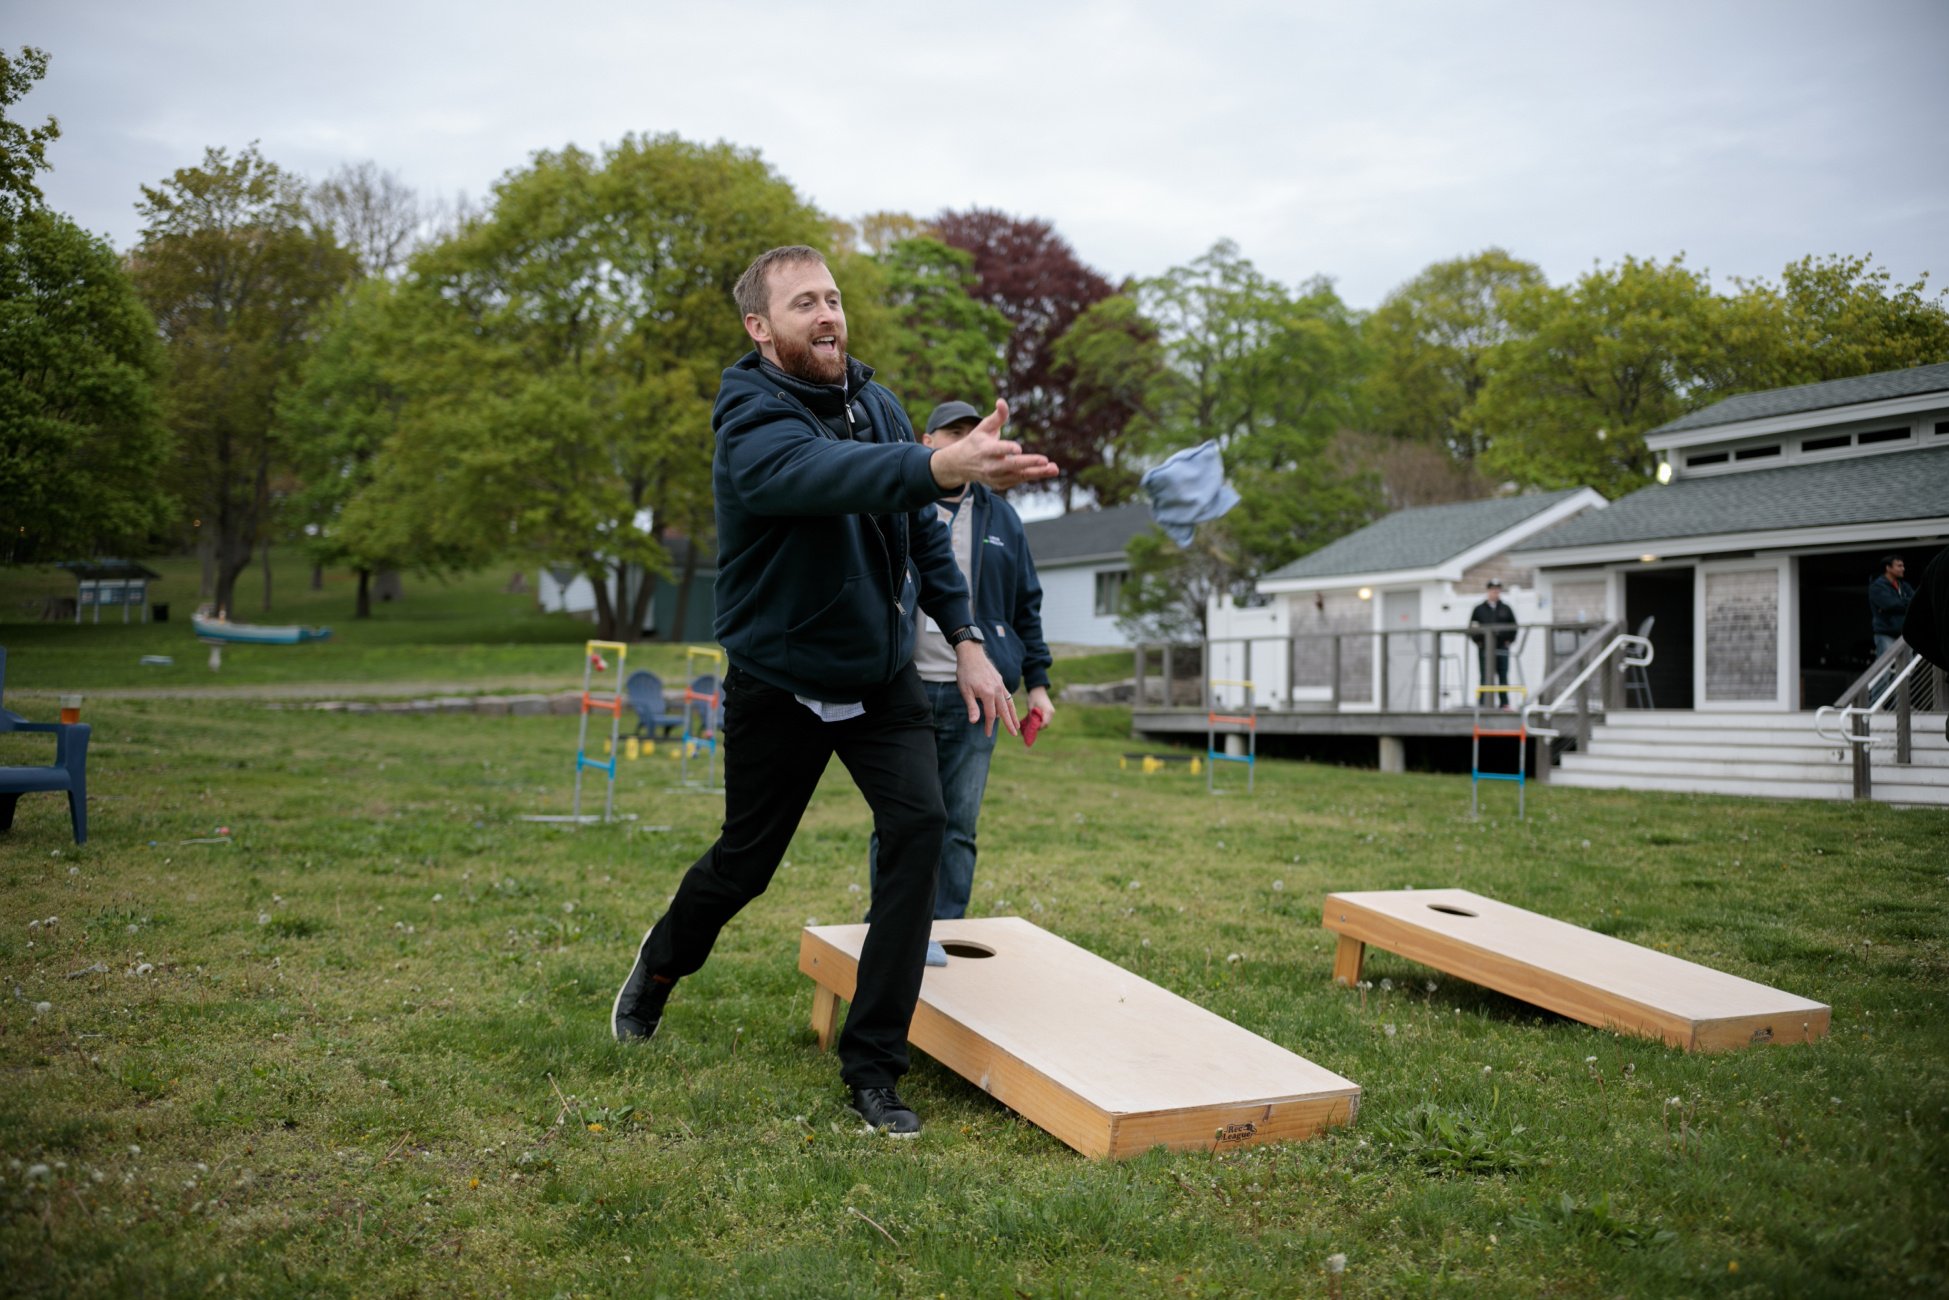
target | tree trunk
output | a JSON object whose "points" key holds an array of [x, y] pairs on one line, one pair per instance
{"points": [[598, 576], [364, 608], [639, 608], [267, 575], [317, 577], [206, 560], [682, 619], [232, 559]]}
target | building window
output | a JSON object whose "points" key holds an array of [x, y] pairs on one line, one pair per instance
{"points": [[1756, 453], [1881, 435], [1706, 458], [1826, 444], [1109, 592]]}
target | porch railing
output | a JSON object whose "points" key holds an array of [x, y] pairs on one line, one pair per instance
{"points": [[1899, 684], [1417, 669], [1569, 687]]}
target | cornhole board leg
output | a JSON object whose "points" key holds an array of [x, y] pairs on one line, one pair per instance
{"points": [[1113, 1065], [1347, 959], [825, 1015], [1595, 978]]}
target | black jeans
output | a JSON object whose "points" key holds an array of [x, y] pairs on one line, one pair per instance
{"points": [[1497, 661], [775, 750]]}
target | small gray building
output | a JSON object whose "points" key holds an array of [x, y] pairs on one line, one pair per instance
{"points": [[1752, 557], [1081, 560]]}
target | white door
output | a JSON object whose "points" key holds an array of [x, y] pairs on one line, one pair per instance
{"points": [[1401, 611]]}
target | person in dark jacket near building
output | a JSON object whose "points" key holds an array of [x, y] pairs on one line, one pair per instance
{"points": [[992, 552], [1492, 642], [828, 547], [1888, 601]]}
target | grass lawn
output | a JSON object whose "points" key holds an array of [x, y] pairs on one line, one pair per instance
{"points": [[362, 1048], [464, 634], [467, 633]]}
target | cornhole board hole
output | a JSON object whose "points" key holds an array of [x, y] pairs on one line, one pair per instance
{"points": [[1101, 1058], [1572, 971]]}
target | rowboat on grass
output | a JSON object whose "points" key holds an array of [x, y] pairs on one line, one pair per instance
{"points": [[217, 632], [210, 627]]}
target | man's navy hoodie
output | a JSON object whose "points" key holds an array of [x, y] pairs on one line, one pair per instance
{"points": [[824, 521], [1006, 592]]}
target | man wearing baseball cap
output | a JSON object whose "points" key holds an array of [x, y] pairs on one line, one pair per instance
{"points": [[992, 553], [1494, 625]]}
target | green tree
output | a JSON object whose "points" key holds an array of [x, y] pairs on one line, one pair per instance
{"points": [[23, 149], [1430, 341], [235, 276], [351, 396], [82, 443], [1592, 366], [81, 438], [1112, 363], [936, 343], [1271, 375], [570, 344], [1837, 317]]}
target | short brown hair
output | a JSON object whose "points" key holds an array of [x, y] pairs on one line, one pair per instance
{"points": [[753, 290]]}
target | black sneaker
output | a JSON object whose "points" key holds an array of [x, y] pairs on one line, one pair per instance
{"points": [[884, 1112], [639, 1002]]}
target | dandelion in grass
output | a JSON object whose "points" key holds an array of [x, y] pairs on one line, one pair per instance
{"points": [[1388, 1030], [1278, 886], [1233, 958], [263, 918]]}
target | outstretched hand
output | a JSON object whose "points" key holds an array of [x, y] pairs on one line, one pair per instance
{"points": [[982, 691], [985, 457]]}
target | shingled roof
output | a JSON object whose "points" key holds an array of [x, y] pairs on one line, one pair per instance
{"points": [[1858, 490], [1085, 535], [1421, 538], [1912, 382]]}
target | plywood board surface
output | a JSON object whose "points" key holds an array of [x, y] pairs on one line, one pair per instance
{"points": [[1103, 1058], [1592, 977]]}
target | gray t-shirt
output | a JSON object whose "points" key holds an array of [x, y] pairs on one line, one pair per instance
{"points": [[934, 658]]}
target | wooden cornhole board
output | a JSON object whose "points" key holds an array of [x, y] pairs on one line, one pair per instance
{"points": [[1575, 972], [1104, 1060]]}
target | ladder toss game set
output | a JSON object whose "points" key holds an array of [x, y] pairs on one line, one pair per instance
{"points": [[703, 716]]}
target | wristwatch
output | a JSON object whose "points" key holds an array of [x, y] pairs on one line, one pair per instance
{"points": [[968, 633]]}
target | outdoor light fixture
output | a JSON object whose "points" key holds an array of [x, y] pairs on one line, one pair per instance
{"points": [[1664, 471], [1647, 559], [1366, 593]]}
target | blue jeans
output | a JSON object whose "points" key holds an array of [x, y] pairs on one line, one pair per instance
{"points": [[963, 753]]}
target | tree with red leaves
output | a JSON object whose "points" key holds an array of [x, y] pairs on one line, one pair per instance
{"points": [[1032, 276]]}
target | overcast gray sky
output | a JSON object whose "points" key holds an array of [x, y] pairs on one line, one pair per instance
{"points": [[1357, 140]]}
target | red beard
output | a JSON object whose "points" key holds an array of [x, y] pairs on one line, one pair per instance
{"points": [[797, 358]]}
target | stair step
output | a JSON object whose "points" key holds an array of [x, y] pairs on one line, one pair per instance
{"points": [[1708, 769], [1740, 744], [1696, 785]]}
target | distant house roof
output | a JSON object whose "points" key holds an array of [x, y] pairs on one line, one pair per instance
{"points": [[1912, 382], [1864, 489], [1083, 536], [108, 569], [1421, 538]]}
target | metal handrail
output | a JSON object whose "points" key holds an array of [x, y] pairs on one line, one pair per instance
{"points": [[1624, 640], [1844, 715], [1569, 665]]}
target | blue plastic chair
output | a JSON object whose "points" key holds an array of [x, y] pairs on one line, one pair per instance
{"points": [[708, 713], [69, 772], [645, 691]]}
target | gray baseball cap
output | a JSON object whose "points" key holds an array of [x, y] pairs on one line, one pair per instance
{"points": [[950, 413]]}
